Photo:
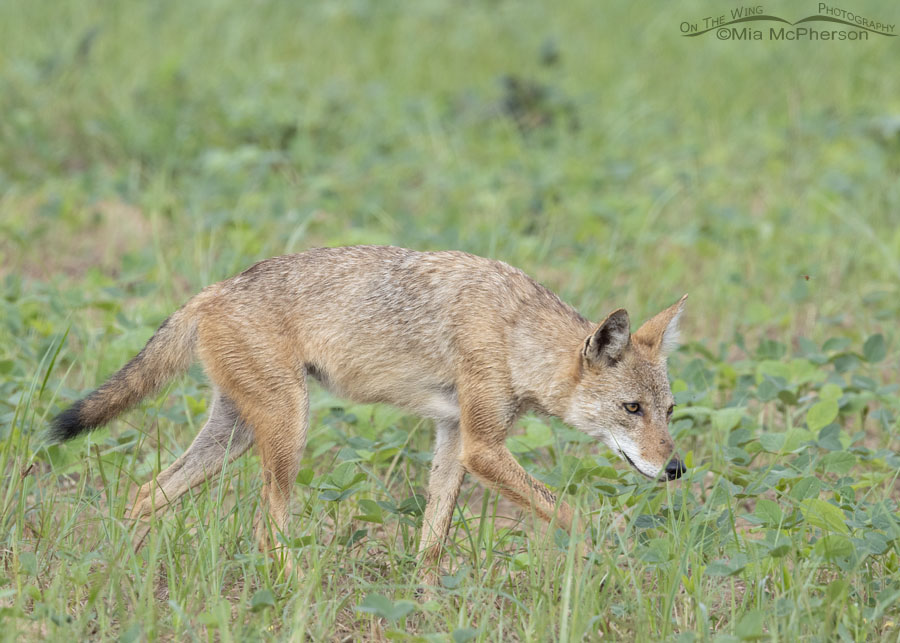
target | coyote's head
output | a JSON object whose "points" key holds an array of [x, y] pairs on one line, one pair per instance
{"points": [[623, 397]]}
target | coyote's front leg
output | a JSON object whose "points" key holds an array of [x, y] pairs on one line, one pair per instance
{"points": [[443, 489], [483, 430], [496, 466]]}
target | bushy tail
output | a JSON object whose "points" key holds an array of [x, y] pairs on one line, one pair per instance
{"points": [[168, 353]]}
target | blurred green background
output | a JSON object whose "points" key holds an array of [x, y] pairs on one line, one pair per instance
{"points": [[166, 145]]}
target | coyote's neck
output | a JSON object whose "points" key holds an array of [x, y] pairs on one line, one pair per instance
{"points": [[546, 363]]}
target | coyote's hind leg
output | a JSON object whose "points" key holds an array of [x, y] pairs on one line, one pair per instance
{"points": [[280, 419], [224, 436]]}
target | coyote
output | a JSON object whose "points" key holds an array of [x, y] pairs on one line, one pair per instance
{"points": [[469, 342]]}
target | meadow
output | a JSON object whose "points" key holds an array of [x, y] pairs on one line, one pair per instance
{"points": [[149, 149]]}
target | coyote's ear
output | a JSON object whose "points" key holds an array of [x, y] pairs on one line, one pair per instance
{"points": [[660, 332], [607, 344]]}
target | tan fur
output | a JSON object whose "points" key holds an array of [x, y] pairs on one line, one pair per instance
{"points": [[470, 342]]}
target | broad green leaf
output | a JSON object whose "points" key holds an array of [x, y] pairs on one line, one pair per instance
{"points": [[305, 476], [262, 599], [413, 505], [726, 419], [836, 344], [335, 495], [537, 435], [772, 442], [385, 608], [821, 414], [464, 634], [795, 438], [522, 560], [803, 372], [839, 462], [725, 567], [830, 392], [737, 455], [773, 369], [132, 634], [797, 371], [452, 581], [874, 350], [28, 563], [833, 546], [845, 362], [769, 512], [740, 437], [872, 542], [837, 590], [824, 515], [694, 412], [830, 438], [370, 511], [769, 348], [785, 442], [807, 487], [768, 389], [886, 598], [788, 397], [345, 475], [865, 383], [781, 547], [750, 627]]}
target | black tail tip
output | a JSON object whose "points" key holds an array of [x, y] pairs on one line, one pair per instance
{"points": [[67, 424]]}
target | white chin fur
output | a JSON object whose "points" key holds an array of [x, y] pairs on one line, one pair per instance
{"points": [[629, 452]]}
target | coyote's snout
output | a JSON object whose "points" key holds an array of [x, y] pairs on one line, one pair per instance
{"points": [[470, 342]]}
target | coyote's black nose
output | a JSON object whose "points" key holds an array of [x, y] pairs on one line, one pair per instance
{"points": [[674, 469]]}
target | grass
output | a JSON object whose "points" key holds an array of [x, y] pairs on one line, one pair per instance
{"points": [[150, 149]]}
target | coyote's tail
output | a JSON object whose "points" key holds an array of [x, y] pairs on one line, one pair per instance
{"points": [[168, 353]]}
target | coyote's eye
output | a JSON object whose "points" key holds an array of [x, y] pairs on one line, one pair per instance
{"points": [[632, 407], [670, 409]]}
